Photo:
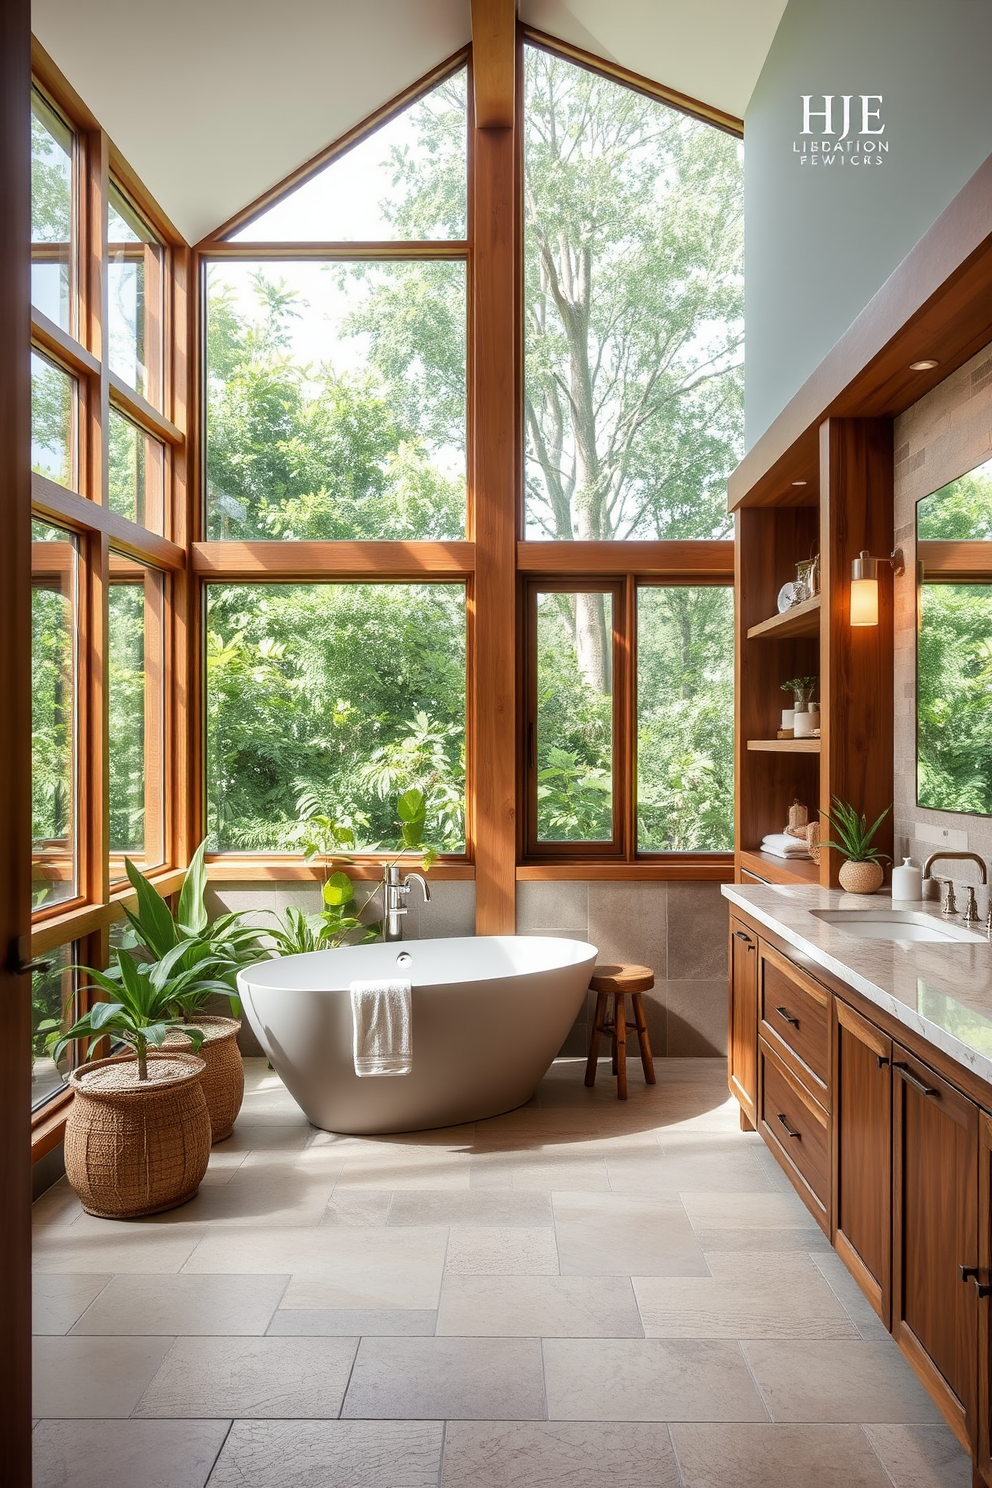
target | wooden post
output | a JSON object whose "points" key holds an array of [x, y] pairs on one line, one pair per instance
{"points": [[495, 480], [15, 741]]}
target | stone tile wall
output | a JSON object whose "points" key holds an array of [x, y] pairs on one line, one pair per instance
{"points": [[945, 434], [679, 929]]}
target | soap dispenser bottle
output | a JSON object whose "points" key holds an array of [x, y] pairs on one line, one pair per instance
{"points": [[907, 882]]}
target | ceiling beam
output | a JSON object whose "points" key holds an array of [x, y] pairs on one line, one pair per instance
{"points": [[494, 62]]}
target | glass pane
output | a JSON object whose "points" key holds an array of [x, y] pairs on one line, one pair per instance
{"points": [[53, 421], [136, 472], [52, 997], [634, 310], [954, 698], [575, 717], [960, 511], [405, 181], [53, 714], [334, 699], [336, 400], [134, 309], [685, 719], [135, 715], [53, 245]]}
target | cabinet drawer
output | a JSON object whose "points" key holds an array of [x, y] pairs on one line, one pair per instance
{"points": [[797, 1130], [795, 1020]]}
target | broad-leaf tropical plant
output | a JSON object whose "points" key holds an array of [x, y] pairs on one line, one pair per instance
{"points": [[854, 834], [137, 1009]]}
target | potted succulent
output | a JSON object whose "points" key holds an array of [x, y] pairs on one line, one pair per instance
{"points": [[137, 1137], [861, 872], [204, 957]]}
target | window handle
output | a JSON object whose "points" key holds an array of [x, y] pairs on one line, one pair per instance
{"points": [[798, 1136], [18, 965], [882, 1060], [531, 746], [970, 1273]]}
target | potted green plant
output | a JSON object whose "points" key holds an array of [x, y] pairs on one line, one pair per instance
{"points": [[137, 1136], [861, 872], [206, 956]]}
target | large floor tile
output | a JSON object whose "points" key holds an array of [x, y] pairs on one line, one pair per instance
{"points": [[648, 1379], [401, 1167], [921, 1456], [751, 1238], [250, 1136], [184, 1304], [334, 1266], [733, 1211], [359, 1206], [447, 1378], [58, 1301], [625, 1235], [827, 1380], [686, 1172], [126, 1454], [329, 1322], [93, 1378], [57, 1205], [714, 1456], [492, 1250], [538, 1307], [106, 1245], [539, 1170], [330, 1454], [850, 1296], [557, 1454], [291, 1378], [501, 1207], [747, 1296]]}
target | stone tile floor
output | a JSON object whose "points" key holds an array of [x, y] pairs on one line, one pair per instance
{"points": [[582, 1292]]}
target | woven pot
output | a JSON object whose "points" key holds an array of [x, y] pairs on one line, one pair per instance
{"points": [[137, 1147], [224, 1076], [861, 878]]}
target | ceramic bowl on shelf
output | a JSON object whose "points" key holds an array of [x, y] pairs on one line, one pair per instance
{"points": [[790, 594]]}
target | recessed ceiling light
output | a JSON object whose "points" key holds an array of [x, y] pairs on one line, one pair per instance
{"points": [[925, 365], [799, 483]]}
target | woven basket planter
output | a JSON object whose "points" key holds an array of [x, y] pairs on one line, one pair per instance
{"points": [[861, 878], [135, 1148], [224, 1076]]}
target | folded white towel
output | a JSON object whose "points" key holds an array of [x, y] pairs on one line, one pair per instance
{"points": [[781, 845], [381, 1014]]}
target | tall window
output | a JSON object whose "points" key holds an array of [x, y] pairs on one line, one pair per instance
{"points": [[336, 412]]}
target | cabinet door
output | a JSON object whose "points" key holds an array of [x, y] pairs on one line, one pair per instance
{"points": [[742, 1064], [935, 1233], [984, 1281], [862, 1168]]}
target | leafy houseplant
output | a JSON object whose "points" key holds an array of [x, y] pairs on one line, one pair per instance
{"points": [[137, 1137], [802, 689], [861, 872]]}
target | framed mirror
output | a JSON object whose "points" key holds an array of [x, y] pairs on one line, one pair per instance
{"points": [[954, 646]]}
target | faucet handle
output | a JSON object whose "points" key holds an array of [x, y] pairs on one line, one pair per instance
{"points": [[970, 911], [950, 906]]}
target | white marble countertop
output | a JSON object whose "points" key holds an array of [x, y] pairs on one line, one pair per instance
{"points": [[942, 991]]}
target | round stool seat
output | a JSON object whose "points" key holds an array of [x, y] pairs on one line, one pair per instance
{"points": [[621, 978]]}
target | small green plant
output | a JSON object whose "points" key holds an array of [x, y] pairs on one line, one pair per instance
{"points": [[210, 951], [854, 834], [137, 1008], [802, 689]]}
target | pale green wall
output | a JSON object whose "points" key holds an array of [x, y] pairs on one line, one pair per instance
{"points": [[820, 242]]}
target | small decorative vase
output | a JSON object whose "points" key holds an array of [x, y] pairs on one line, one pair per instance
{"points": [[861, 878], [805, 724]]}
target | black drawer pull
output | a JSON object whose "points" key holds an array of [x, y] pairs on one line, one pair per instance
{"points": [[882, 1060], [788, 1129], [911, 1078], [746, 939], [970, 1273], [783, 1012]]}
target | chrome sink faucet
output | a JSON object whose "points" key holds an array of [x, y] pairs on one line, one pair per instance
{"points": [[395, 888], [950, 907]]}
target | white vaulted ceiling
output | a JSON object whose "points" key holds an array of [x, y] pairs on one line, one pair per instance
{"points": [[213, 101]]}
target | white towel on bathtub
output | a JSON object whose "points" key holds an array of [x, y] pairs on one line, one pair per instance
{"points": [[381, 1014]]}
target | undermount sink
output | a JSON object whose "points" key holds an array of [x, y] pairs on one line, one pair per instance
{"points": [[894, 924]]}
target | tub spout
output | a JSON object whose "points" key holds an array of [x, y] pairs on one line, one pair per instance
{"points": [[394, 891]]}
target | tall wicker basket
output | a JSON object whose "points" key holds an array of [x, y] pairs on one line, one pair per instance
{"points": [[135, 1148], [224, 1076]]}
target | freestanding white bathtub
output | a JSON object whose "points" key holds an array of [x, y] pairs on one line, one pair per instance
{"points": [[489, 1015]]}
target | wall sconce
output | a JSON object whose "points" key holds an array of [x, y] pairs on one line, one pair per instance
{"points": [[864, 585]]}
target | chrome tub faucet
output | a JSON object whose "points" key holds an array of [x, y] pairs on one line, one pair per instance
{"points": [[395, 888]]}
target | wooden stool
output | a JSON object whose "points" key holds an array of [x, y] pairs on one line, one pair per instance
{"points": [[619, 982]]}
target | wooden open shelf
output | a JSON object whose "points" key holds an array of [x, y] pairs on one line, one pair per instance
{"points": [[785, 746], [780, 870], [801, 620]]}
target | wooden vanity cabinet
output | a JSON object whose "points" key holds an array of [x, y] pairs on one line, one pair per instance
{"points": [[742, 1043], [983, 1293], [935, 1233], [862, 1156]]}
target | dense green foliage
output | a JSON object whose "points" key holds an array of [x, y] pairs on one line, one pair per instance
{"points": [[954, 659]]}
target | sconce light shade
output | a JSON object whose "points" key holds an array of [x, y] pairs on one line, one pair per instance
{"points": [[864, 601]]}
